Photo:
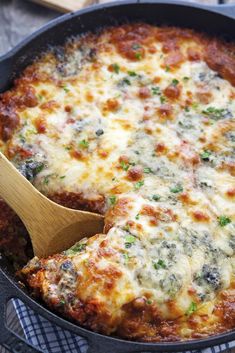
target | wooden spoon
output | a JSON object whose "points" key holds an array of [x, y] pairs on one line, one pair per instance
{"points": [[52, 228]]}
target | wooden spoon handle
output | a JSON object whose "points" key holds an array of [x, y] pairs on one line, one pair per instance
{"points": [[64, 6], [25, 202]]}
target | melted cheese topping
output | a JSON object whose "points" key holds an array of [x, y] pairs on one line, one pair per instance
{"points": [[148, 139]]}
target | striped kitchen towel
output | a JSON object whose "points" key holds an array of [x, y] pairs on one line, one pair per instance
{"points": [[53, 339]]}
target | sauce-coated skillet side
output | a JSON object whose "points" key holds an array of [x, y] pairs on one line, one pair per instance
{"points": [[136, 123]]}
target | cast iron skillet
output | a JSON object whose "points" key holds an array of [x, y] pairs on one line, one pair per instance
{"points": [[217, 20]]}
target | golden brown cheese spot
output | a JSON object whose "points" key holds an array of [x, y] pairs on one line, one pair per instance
{"points": [[135, 173], [144, 92], [68, 108], [188, 155], [103, 153], [227, 166], [231, 192], [220, 57], [111, 105], [132, 50], [161, 148], [13, 151], [193, 54], [123, 159], [41, 125], [120, 209], [89, 97], [185, 198], [170, 45], [152, 50], [200, 216], [129, 40], [158, 214], [78, 154], [204, 95], [104, 250], [172, 91], [9, 120], [165, 111], [21, 97], [50, 106], [225, 309], [174, 59]]}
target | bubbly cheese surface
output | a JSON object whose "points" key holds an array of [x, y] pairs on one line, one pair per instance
{"points": [[136, 123]]}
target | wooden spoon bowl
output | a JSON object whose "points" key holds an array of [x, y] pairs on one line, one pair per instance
{"points": [[52, 228]]}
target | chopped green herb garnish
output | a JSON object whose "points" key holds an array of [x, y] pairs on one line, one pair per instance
{"points": [[156, 197], [138, 56], [30, 132], [22, 138], [62, 302], [116, 68], [126, 81], [40, 97], [148, 170], [129, 240], [84, 144], [159, 264], [112, 199], [65, 88], [132, 73], [76, 248], [46, 179], [167, 69], [214, 113], [177, 188], [139, 184], [137, 216], [192, 308], [223, 221], [162, 99], [155, 91], [68, 148], [149, 302], [174, 82], [205, 155], [63, 176], [126, 257], [126, 228], [31, 168], [185, 78], [79, 247], [187, 109], [195, 105], [125, 166], [39, 168]]}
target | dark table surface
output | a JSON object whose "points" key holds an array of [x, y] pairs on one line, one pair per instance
{"points": [[19, 18]]}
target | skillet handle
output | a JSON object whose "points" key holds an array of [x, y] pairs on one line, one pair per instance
{"points": [[8, 339]]}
